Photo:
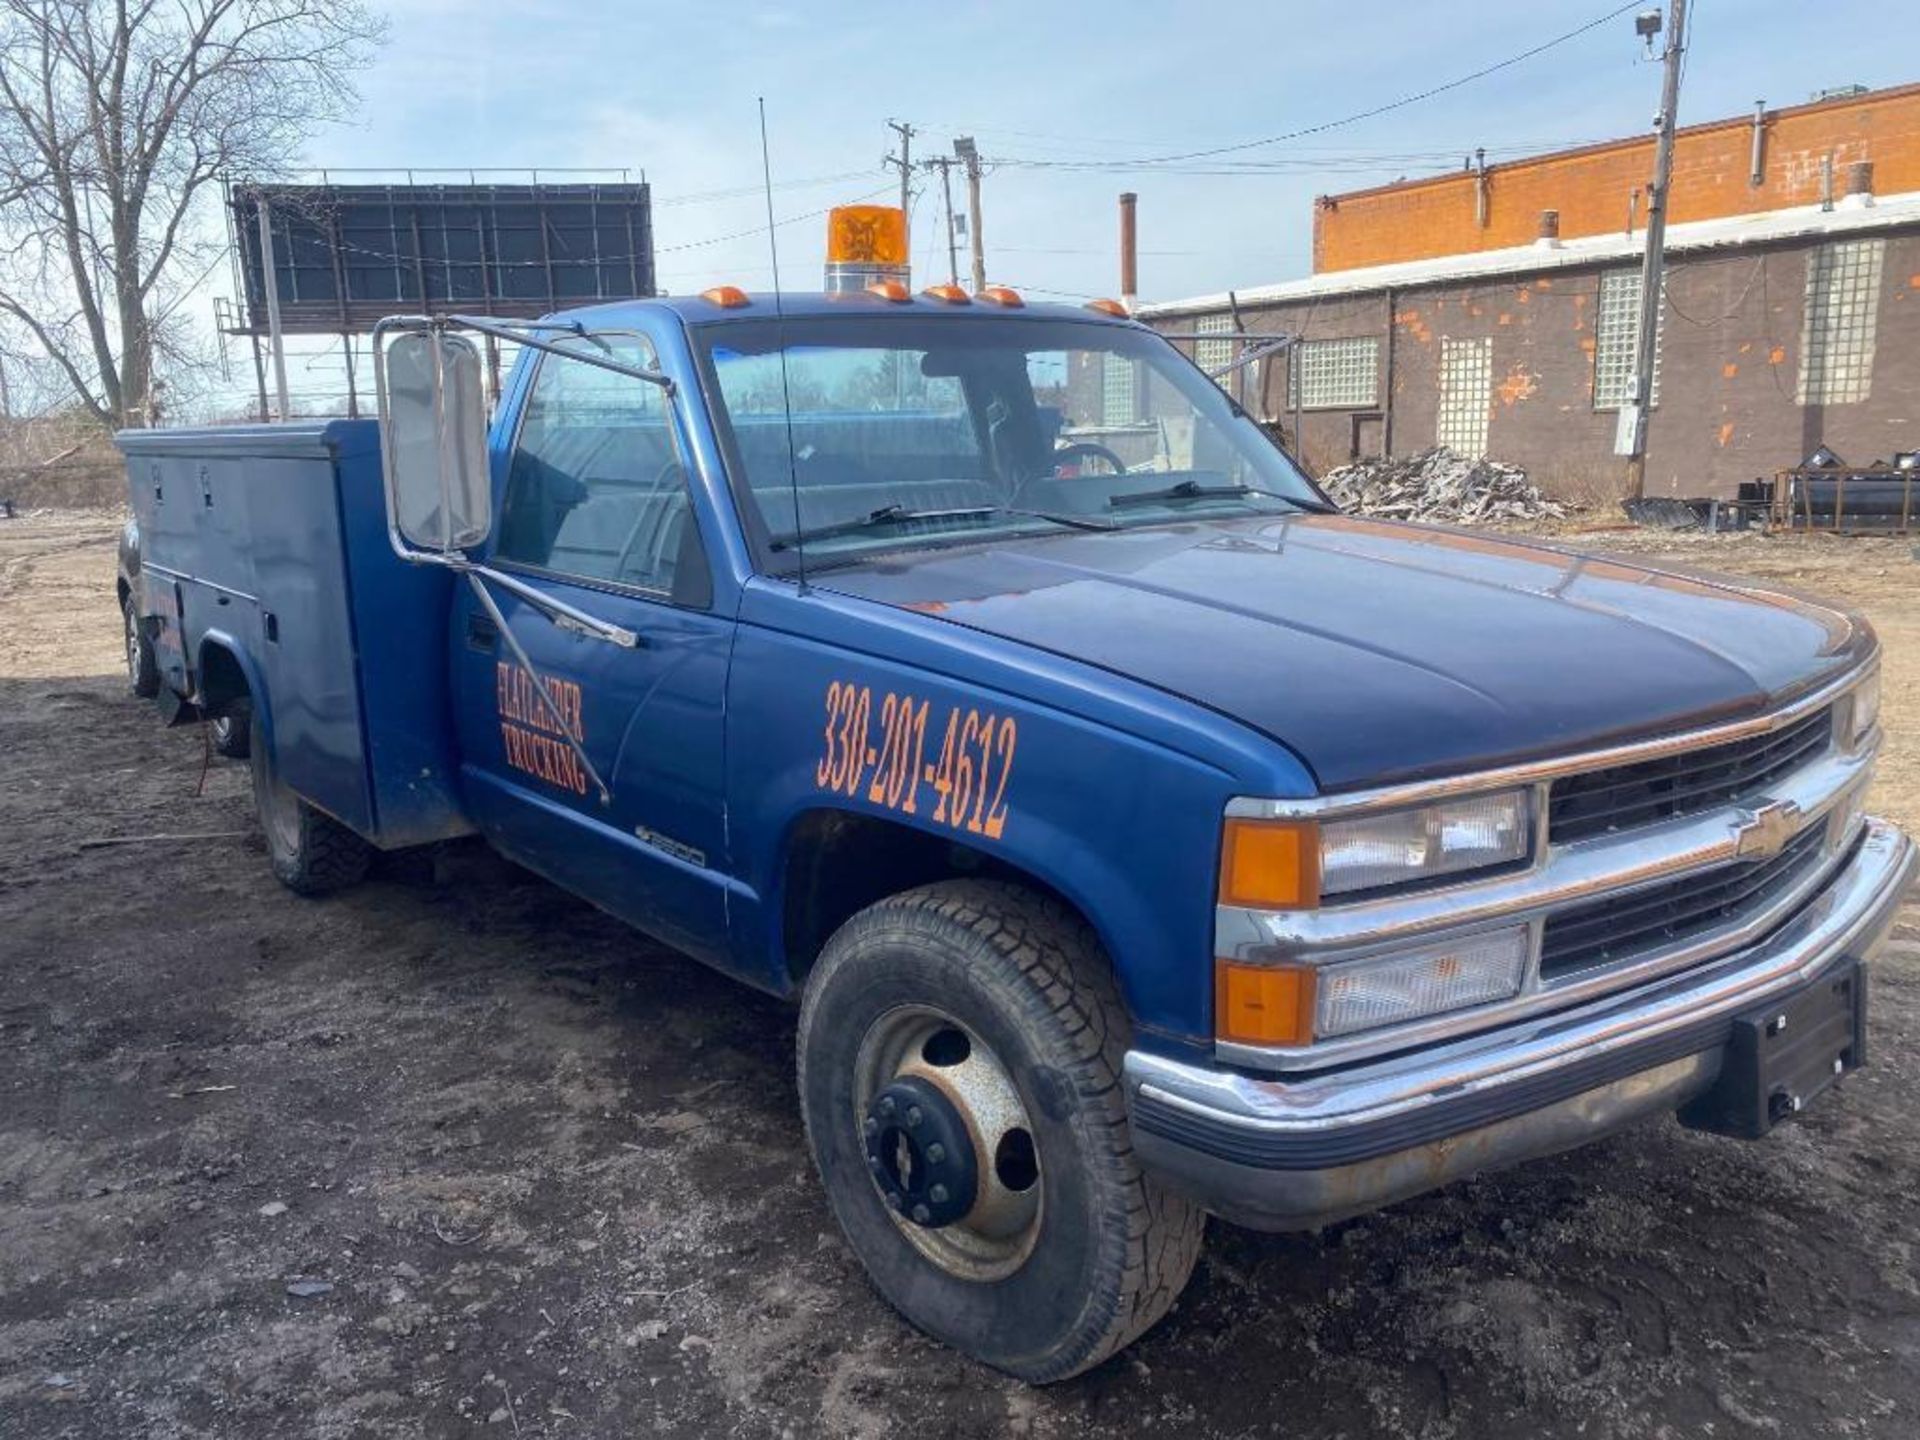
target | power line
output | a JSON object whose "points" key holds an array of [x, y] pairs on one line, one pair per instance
{"points": [[1154, 161], [762, 229], [740, 192], [1109, 141]]}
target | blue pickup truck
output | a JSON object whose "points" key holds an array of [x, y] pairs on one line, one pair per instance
{"points": [[1140, 837]]}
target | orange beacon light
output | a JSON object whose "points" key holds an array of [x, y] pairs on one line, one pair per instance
{"points": [[866, 245]]}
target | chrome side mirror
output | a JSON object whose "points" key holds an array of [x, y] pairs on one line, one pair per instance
{"points": [[433, 438]]}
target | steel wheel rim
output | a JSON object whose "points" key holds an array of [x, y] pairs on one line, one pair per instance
{"points": [[132, 628], [223, 730], [998, 1234]]}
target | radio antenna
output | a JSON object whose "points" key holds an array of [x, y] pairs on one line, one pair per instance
{"points": [[780, 343]]}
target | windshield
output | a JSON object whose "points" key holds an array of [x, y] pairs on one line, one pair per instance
{"points": [[907, 432]]}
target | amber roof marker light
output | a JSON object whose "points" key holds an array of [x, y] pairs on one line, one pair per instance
{"points": [[1001, 295], [952, 294], [1109, 307], [727, 297]]}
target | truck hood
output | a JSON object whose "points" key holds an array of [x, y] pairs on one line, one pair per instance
{"points": [[1380, 652]]}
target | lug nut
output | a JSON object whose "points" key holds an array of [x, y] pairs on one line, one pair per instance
{"points": [[893, 1199], [871, 1128], [914, 1116], [921, 1214], [886, 1106], [936, 1152], [938, 1194], [873, 1163]]}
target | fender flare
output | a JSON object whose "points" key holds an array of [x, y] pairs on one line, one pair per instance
{"points": [[1087, 874], [249, 669]]}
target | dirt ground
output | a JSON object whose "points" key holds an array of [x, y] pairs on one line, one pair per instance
{"points": [[554, 1178]]}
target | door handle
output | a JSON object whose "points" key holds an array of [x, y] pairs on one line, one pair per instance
{"points": [[482, 633]]}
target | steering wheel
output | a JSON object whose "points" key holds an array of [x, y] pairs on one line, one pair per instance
{"points": [[1089, 450], [672, 475]]}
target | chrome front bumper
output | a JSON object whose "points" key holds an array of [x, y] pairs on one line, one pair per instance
{"points": [[1280, 1153]]}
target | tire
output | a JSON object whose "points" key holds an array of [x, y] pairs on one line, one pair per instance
{"points": [[233, 731], [1108, 1250], [143, 671], [311, 853]]}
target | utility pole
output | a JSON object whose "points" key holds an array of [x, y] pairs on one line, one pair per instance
{"points": [[1647, 24], [969, 154], [273, 307], [905, 161], [944, 164]]}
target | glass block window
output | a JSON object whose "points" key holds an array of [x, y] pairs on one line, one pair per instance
{"points": [[1117, 405], [1335, 374], [1616, 335], [1466, 395], [1214, 355], [1843, 308]]}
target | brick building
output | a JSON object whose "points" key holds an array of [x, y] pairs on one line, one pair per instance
{"points": [[1495, 310]]}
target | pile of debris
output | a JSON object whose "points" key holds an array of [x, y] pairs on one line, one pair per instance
{"points": [[1439, 487]]}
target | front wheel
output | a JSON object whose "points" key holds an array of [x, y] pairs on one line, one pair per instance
{"points": [[312, 853], [960, 1056]]}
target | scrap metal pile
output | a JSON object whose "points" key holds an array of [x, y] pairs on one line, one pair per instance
{"points": [[1439, 487]]}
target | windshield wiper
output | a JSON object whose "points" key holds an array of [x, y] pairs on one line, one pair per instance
{"points": [[1073, 522], [1194, 490], [903, 515]]}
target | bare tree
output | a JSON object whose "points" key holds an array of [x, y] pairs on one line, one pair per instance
{"points": [[117, 119]]}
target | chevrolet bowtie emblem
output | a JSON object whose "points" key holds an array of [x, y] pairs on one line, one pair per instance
{"points": [[1763, 833]]}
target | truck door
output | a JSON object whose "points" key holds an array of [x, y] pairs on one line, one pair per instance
{"points": [[595, 511]]}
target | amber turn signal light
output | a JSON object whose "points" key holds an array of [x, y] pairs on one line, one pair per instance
{"points": [[1270, 864], [1263, 1004]]}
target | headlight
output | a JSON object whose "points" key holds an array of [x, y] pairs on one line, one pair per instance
{"points": [[1291, 1004], [1413, 984], [1292, 864], [1439, 839], [1862, 710]]}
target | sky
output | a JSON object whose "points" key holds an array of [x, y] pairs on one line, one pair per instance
{"points": [[1048, 90]]}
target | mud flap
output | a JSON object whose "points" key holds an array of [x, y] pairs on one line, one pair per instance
{"points": [[1784, 1055]]}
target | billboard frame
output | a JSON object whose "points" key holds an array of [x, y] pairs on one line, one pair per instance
{"points": [[346, 256]]}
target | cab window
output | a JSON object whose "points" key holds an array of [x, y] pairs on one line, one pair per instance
{"points": [[597, 488]]}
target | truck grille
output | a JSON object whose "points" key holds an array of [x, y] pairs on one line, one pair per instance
{"points": [[1623, 926], [1639, 793]]}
